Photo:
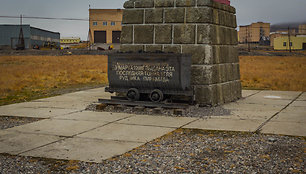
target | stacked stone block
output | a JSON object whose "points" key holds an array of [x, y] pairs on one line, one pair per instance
{"points": [[203, 28]]}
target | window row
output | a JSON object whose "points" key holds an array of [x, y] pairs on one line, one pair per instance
{"points": [[285, 44], [104, 23]]}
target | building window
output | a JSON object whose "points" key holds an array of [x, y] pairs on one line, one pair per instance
{"points": [[105, 23], [285, 44], [113, 23], [291, 44], [95, 23]]}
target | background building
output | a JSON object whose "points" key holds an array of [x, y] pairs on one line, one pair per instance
{"points": [[256, 33], [70, 40], [105, 25], [9, 36], [302, 29], [296, 43]]}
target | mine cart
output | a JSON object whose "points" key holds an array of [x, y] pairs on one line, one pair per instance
{"points": [[154, 76]]}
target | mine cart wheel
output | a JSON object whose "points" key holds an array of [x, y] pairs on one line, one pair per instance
{"points": [[156, 95], [133, 94]]}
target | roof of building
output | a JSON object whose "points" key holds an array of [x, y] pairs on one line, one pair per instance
{"points": [[27, 25]]}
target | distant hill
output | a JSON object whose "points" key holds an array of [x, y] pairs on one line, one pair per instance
{"points": [[284, 26]]}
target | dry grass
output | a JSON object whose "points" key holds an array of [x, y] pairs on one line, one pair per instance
{"points": [[276, 73], [22, 77]]}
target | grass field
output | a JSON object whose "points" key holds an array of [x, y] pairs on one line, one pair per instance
{"points": [[286, 73], [24, 78]]}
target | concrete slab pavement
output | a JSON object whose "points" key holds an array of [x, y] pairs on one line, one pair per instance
{"points": [[69, 132], [35, 112], [16, 142], [58, 127], [124, 132], [225, 125], [160, 121], [94, 116], [90, 150]]}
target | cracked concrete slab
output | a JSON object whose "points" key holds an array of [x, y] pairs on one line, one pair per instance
{"points": [[265, 101], [284, 128], [16, 142], [296, 117], [34, 112], [58, 127], [89, 150], [247, 93], [95, 116], [225, 125], [248, 115], [235, 106], [172, 122], [284, 95], [298, 104], [123, 132], [302, 97]]}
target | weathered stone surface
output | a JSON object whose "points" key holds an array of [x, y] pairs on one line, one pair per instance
{"points": [[204, 74], [143, 34], [132, 16], [203, 28], [127, 35], [163, 34], [172, 48], [206, 34], [226, 89], [131, 48], [220, 97], [234, 37], [153, 48], [144, 3], [233, 54], [199, 15], [216, 19], [229, 72], [164, 3], [129, 4], [184, 34], [222, 73], [236, 71], [185, 3], [206, 95], [154, 15], [221, 17], [174, 15], [224, 54], [205, 3], [201, 54]]}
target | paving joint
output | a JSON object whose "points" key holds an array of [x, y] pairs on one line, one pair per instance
{"points": [[101, 126], [264, 123], [42, 146], [252, 94], [147, 125]]}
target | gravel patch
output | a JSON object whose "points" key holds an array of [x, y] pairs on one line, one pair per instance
{"points": [[9, 121], [192, 111], [185, 151]]}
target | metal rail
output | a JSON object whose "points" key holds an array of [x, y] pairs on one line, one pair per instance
{"points": [[144, 104]]}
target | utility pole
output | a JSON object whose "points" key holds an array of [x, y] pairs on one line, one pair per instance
{"points": [[289, 39], [247, 38], [20, 45]]}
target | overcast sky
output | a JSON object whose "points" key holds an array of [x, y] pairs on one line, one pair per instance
{"points": [[248, 11]]}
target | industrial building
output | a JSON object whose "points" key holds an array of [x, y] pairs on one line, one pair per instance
{"points": [[293, 43], [105, 25], [9, 36], [302, 29], [70, 40], [256, 33]]}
